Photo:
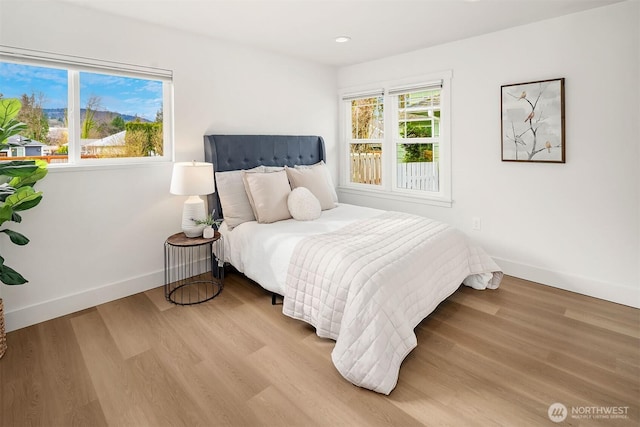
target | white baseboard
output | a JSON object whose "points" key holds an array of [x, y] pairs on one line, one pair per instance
{"points": [[613, 292], [46, 310]]}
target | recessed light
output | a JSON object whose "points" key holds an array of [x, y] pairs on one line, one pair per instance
{"points": [[342, 39]]}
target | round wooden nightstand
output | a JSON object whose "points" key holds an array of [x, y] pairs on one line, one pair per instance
{"points": [[193, 270]]}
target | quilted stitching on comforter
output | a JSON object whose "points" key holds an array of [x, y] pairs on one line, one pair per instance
{"points": [[368, 285]]}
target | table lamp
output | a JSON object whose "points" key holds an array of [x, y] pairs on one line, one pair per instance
{"points": [[192, 179]]}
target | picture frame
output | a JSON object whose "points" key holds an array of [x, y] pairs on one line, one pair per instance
{"points": [[533, 122]]}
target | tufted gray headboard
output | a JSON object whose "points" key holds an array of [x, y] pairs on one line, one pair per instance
{"points": [[235, 152]]}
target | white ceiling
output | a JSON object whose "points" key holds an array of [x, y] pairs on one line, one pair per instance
{"points": [[306, 29]]}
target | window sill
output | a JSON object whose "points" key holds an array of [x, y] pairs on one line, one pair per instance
{"points": [[66, 167], [384, 194]]}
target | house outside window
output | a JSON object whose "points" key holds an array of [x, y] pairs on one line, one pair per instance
{"points": [[87, 112], [396, 141]]}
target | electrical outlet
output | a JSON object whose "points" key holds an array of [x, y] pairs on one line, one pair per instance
{"points": [[475, 223]]}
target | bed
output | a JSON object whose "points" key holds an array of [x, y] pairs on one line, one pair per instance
{"points": [[361, 276]]}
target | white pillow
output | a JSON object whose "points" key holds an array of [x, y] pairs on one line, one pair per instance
{"points": [[303, 205], [315, 180], [325, 170], [236, 208], [268, 193]]}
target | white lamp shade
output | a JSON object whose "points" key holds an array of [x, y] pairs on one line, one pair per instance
{"points": [[192, 179]]}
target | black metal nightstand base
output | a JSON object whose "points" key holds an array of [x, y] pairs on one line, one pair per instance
{"points": [[195, 292], [192, 273]]}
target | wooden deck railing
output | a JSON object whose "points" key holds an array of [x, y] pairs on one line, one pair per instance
{"points": [[48, 159], [366, 168]]}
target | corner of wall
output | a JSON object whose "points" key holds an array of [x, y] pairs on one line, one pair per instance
{"points": [[613, 292], [46, 310]]}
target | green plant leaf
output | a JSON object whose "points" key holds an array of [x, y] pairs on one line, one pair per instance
{"points": [[9, 276], [15, 217], [6, 191], [16, 179], [17, 238], [12, 127], [6, 214], [32, 178], [18, 168], [9, 109], [9, 125], [24, 198]]}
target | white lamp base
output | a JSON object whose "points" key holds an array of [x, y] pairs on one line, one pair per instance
{"points": [[193, 209]]}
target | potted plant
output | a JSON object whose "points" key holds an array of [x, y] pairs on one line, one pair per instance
{"points": [[211, 224], [16, 195]]}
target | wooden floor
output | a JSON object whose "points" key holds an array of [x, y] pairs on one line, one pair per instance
{"points": [[483, 358]]}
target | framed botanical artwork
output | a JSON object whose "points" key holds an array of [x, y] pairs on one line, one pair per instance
{"points": [[533, 122]]}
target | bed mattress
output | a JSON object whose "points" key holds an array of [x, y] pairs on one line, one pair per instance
{"points": [[262, 251]]}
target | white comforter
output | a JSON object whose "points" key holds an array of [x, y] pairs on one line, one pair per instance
{"points": [[369, 284], [384, 275], [262, 251]]}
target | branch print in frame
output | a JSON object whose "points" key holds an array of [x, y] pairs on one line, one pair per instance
{"points": [[533, 122]]}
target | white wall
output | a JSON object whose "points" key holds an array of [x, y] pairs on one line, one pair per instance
{"points": [[98, 234], [574, 225]]}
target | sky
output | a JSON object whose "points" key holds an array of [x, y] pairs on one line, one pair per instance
{"points": [[124, 95]]}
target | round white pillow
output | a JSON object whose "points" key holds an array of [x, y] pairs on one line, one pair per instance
{"points": [[303, 205]]}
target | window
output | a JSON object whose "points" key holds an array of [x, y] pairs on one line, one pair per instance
{"points": [[366, 137], [417, 140], [409, 159], [79, 111]]}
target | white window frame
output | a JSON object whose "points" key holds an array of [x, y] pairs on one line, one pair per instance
{"points": [[388, 189], [74, 65], [350, 140], [19, 152]]}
